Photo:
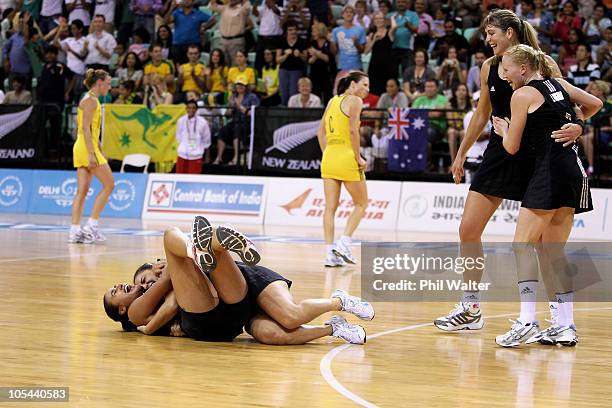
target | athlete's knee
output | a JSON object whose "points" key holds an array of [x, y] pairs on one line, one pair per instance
{"points": [[109, 185], [290, 318], [330, 208], [469, 232], [171, 233]]}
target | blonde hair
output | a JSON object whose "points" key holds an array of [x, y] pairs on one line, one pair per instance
{"points": [[304, 80], [94, 75], [535, 59], [321, 29], [603, 86], [505, 19]]}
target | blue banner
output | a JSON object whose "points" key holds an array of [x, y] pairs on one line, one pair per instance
{"points": [[208, 197], [15, 186], [53, 193]]}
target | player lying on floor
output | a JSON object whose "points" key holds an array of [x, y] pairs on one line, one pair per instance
{"points": [[213, 298]]}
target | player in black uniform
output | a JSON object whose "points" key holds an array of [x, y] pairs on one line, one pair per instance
{"points": [[557, 187], [500, 175], [247, 295]]}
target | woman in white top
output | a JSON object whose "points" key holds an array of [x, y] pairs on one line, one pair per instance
{"points": [[193, 136]]}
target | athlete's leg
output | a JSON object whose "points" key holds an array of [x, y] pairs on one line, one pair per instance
{"points": [[332, 197], [266, 330], [359, 194]]}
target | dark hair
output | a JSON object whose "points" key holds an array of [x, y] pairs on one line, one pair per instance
{"points": [[191, 102], [243, 52], [271, 65], [159, 40], [129, 85], [138, 62], [394, 80], [32, 32], [435, 81], [288, 24], [102, 16], [468, 101], [51, 49], [112, 311], [221, 57], [155, 45], [20, 79], [424, 51], [143, 34], [94, 75], [7, 12], [345, 83], [529, 2], [144, 267], [579, 34], [451, 20], [574, 6], [78, 23]]}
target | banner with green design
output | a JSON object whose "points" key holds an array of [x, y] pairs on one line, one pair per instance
{"points": [[137, 129]]}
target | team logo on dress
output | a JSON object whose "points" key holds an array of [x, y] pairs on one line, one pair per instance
{"points": [[160, 194], [123, 195], [415, 206], [10, 191], [492, 89]]}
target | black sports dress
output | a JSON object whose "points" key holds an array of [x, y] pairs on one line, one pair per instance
{"points": [[501, 174], [558, 178]]}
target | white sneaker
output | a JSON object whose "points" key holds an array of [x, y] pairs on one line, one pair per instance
{"points": [[80, 237], [354, 305], [332, 260], [517, 333], [564, 335], [202, 235], [464, 316], [94, 232], [351, 333], [342, 250], [554, 323]]}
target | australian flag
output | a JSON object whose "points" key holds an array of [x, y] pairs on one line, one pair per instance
{"points": [[407, 140]]}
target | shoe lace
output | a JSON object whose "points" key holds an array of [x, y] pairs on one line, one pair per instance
{"points": [[457, 309], [515, 329]]}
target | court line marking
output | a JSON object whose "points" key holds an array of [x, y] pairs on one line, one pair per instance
{"points": [[40, 258], [326, 361]]}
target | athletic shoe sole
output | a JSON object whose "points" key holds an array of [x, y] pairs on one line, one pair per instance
{"points": [[343, 256], [469, 326], [234, 241], [202, 242]]}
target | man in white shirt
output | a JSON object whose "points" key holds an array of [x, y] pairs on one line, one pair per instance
{"points": [[106, 8], [100, 45], [49, 13], [79, 10], [270, 30], [75, 48], [304, 99], [193, 136]]}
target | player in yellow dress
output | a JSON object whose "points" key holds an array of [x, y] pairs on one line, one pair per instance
{"points": [[89, 160], [342, 163]]}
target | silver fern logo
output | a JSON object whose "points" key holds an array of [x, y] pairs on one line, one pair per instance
{"points": [[11, 121], [290, 136]]}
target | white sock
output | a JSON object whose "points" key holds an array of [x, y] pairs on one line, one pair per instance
{"points": [[346, 239], [552, 307], [328, 248], [74, 228], [566, 308], [92, 223], [189, 248], [473, 298], [528, 293]]}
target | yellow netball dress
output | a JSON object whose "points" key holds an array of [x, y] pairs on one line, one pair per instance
{"points": [[339, 158], [80, 157]]}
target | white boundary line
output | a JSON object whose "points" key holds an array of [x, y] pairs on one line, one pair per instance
{"points": [[326, 361], [39, 258]]}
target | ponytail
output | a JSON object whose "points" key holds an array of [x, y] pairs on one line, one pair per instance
{"points": [[345, 83], [529, 35], [535, 59], [94, 75]]}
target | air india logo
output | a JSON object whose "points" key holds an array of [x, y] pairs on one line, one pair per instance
{"points": [[297, 202]]}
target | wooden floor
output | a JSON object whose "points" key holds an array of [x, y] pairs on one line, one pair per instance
{"points": [[54, 333]]}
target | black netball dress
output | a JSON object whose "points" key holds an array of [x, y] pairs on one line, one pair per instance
{"points": [[501, 174], [558, 178]]}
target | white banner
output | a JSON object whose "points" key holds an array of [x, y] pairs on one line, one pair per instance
{"points": [[301, 202], [219, 198], [438, 207]]}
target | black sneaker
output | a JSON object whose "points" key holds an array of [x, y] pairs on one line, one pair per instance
{"points": [[202, 236], [235, 241]]}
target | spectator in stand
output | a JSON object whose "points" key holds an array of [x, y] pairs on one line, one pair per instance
{"points": [[269, 77], [305, 98], [233, 26], [416, 76], [322, 63], [584, 71], [131, 70], [79, 10], [384, 6], [567, 20], [76, 50], [164, 37], [16, 60], [192, 75], [193, 137], [159, 67], [106, 8], [141, 43], [126, 22], [49, 14], [595, 27], [19, 95], [319, 10], [100, 46], [118, 57], [473, 78], [424, 33], [34, 48], [292, 60], [404, 24], [216, 81], [468, 11], [242, 70], [567, 52], [543, 21], [127, 94], [361, 18], [437, 120], [240, 110], [156, 93], [188, 23], [144, 14], [297, 12], [347, 42], [270, 30], [380, 43], [441, 15], [460, 101], [52, 90], [452, 73], [602, 120], [393, 98], [604, 55], [450, 39]]}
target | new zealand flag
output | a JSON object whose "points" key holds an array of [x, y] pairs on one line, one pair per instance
{"points": [[408, 142]]}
